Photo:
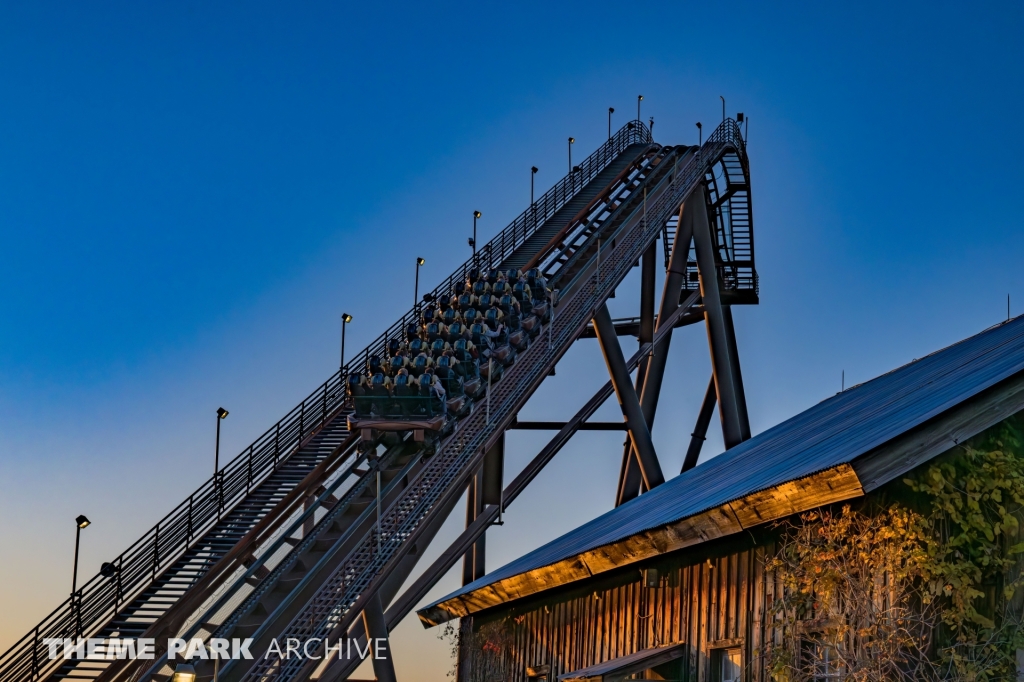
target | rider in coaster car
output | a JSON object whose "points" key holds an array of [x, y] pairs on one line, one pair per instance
{"points": [[494, 317], [444, 302], [398, 362], [506, 302], [412, 331], [447, 364], [465, 350], [427, 315], [466, 301], [471, 316], [451, 316], [523, 292], [514, 319], [421, 363], [380, 384], [417, 346], [356, 384], [436, 329], [438, 347], [485, 337], [374, 365], [500, 288], [395, 346], [535, 279], [486, 301], [492, 276], [456, 331], [403, 383], [458, 289], [472, 276], [481, 287]]}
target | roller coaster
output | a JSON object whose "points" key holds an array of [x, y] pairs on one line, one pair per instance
{"points": [[313, 529]]}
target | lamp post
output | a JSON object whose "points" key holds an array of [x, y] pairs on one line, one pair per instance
{"points": [[639, 98], [611, 110], [533, 172], [700, 134], [345, 319], [80, 523], [221, 414], [476, 215], [572, 140], [416, 291]]}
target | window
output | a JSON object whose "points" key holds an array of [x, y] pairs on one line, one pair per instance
{"points": [[822, 662], [727, 664]]}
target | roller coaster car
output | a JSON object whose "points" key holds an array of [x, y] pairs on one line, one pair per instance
{"points": [[406, 409], [501, 352], [531, 325], [469, 369]]}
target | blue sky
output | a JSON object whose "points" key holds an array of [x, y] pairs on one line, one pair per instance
{"points": [[190, 195]]}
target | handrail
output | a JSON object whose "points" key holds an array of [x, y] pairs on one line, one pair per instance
{"points": [[100, 598], [346, 591], [517, 232]]}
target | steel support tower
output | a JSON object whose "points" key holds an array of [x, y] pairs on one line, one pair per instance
{"points": [[306, 535]]}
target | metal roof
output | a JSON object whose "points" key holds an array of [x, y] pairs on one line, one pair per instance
{"points": [[833, 432]]}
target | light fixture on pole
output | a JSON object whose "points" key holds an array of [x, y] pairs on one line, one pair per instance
{"points": [[221, 414], [700, 134], [572, 140], [611, 110], [476, 215], [723, 107], [80, 523], [639, 98], [184, 672], [533, 172], [416, 291], [345, 319]]}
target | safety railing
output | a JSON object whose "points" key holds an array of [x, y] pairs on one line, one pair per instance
{"points": [[336, 601], [518, 231], [100, 598]]}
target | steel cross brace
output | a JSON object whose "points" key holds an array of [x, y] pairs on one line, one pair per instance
{"points": [[402, 606], [630, 478]]}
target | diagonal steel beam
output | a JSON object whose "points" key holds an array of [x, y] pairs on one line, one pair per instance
{"points": [[376, 628], [629, 478], [718, 336], [404, 604], [639, 434], [700, 431]]}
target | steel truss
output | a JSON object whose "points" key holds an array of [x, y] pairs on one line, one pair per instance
{"points": [[328, 558]]}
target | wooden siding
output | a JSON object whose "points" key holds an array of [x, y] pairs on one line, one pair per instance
{"points": [[708, 602]]}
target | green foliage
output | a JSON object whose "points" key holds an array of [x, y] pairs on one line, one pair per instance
{"points": [[875, 587], [974, 502]]}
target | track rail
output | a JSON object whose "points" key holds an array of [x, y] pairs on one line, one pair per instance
{"points": [[341, 597]]}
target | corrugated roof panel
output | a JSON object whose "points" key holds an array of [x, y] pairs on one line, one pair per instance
{"points": [[833, 432]]}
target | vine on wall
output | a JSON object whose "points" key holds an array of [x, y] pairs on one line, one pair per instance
{"points": [[924, 589]]}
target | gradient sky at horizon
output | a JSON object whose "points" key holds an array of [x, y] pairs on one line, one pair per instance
{"points": [[191, 194]]}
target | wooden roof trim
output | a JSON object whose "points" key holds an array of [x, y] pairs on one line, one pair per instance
{"points": [[833, 485]]}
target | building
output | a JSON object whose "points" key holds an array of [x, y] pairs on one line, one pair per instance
{"points": [[673, 584]]}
